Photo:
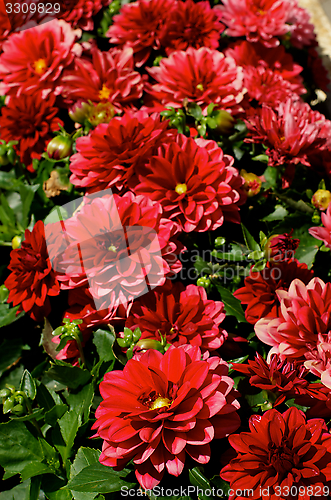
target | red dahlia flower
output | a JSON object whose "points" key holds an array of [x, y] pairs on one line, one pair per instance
{"points": [[139, 25], [183, 315], [32, 280], [323, 233], [285, 380], [162, 407], [302, 330], [80, 12], [112, 153], [256, 20], [31, 121], [200, 75], [301, 30], [260, 290], [115, 244], [35, 58], [195, 184], [281, 451], [109, 77], [191, 24], [281, 247]]}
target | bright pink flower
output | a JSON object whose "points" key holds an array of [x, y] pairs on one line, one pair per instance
{"points": [[200, 75], [256, 20], [32, 280], [195, 184], [303, 329], [81, 12], [323, 233], [281, 247], [139, 25], [112, 153], [280, 452], [182, 315], [163, 407], [35, 58], [109, 77], [122, 241], [301, 30], [30, 120], [260, 290], [191, 24]]}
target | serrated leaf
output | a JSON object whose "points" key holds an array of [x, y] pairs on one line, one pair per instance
{"points": [[249, 240], [19, 492], [8, 314], [28, 385], [81, 401], [35, 469], [100, 479], [55, 414], [71, 376], [18, 447], [84, 458], [231, 304], [69, 425], [103, 341], [278, 214]]}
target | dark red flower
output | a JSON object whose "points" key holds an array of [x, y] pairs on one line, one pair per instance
{"points": [[281, 451], [191, 24], [81, 12], [163, 407], [195, 184], [139, 25], [34, 59], [182, 315], [108, 77], [202, 76], [285, 380], [114, 245], [112, 153], [32, 280], [260, 288], [29, 119]]}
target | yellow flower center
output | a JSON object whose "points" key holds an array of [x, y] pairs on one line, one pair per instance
{"points": [[181, 188], [112, 248], [39, 66], [104, 92], [160, 403], [200, 87]]}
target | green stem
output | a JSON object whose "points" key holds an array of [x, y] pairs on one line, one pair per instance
{"points": [[30, 412], [300, 205], [80, 348]]}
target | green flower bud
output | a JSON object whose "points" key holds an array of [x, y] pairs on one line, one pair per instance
{"points": [[4, 393], [80, 112], [136, 335], [145, 344], [225, 122], [203, 281], [219, 242], [59, 147], [11, 155], [8, 404], [18, 409]]}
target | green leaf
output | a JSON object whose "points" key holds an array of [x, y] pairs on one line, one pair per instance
{"points": [[84, 458], [236, 253], [54, 488], [103, 341], [28, 385], [307, 248], [34, 469], [81, 401], [271, 176], [231, 304], [20, 492], [7, 215], [194, 110], [71, 376], [249, 240], [8, 314], [27, 193], [55, 413], [100, 479], [69, 425], [279, 214], [263, 158], [18, 447], [37, 414], [8, 180], [198, 480], [202, 266]]}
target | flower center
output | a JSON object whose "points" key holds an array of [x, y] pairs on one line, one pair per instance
{"points": [[181, 188], [39, 66], [282, 458], [199, 87], [104, 92], [160, 402], [112, 248]]}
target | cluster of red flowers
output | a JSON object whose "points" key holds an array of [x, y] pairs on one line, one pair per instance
{"points": [[145, 186]]}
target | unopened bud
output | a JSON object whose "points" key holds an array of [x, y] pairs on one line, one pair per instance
{"points": [[252, 184], [16, 242], [103, 112], [59, 147], [321, 199], [80, 111], [145, 344], [225, 122]]}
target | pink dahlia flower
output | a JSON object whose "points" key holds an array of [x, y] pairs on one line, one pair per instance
{"points": [[30, 120], [195, 184], [35, 58], [302, 330], [200, 75], [112, 153], [182, 315], [300, 29], [109, 77], [115, 244], [32, 279], [191, 24], [162, 408], [323, 233], [257, 20], [139, 25]]}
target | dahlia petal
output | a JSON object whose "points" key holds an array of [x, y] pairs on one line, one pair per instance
{"points": [[174, 442], [176, 465], [200, 454]]}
